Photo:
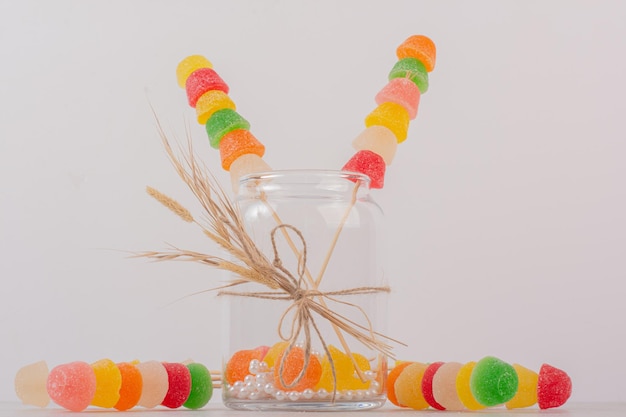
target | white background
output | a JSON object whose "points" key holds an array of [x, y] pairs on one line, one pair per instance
{"points": [[504, 208]]}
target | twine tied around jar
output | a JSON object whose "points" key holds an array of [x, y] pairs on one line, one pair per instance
{"points": [[304, 303]]}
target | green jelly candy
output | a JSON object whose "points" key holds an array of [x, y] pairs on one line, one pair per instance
{"points": [[412, 69], [221, 122], [201, 386], [493, 381]]}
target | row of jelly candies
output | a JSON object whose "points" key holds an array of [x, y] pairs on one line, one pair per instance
{"points": [[240, 151], [77, 385], [387, 125], [476, 385]]}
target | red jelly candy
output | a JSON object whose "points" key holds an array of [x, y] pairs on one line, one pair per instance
{"points": [[179, 379], [202, 80], [553, 388], [427, 385], [368, 163]]}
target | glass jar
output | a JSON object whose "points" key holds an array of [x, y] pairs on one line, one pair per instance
{"points": [[294, 347]]}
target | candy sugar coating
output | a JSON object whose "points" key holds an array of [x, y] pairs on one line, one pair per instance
{"points": [[391, 115], [210, 102], [463, 387], [554, 387], [72, 385], [391, 380], [412, 69], [493, 381], [290, 364], [221, 122], [201, 386], [132, 385], [179, 381], [202, 80], [427, 385], [526, 394], [239, 364], [408, 386], [370, 164], [30, 384], [403, 92], [189, 65], [344, 371], [108, 383], [444, 386], [155, 383], [420, 47], [379, 140], [237, 143], [244, 165]]}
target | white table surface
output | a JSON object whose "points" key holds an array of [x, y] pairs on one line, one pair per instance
{"points": [[216, 409]]}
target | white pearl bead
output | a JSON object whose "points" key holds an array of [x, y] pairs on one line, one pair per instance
{"points": [[308, 393], [263, 367], [322, 393], [280, 395], [293, 395], [254, 366], [254, 395], [238, 385], [269, 388]]}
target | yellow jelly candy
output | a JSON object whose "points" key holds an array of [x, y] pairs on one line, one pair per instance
{"points": [[344, 371], [391, 115], [526, 394], [108, 383], [275, 351], [210, 102], [189, 65], [408, 386], [463, 387]]}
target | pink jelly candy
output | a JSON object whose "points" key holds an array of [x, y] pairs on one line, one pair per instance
{"points": [[427, 385], [179, 379], [554, 387], [202, 80], [402, 91], [368, 163], [72, 385]]}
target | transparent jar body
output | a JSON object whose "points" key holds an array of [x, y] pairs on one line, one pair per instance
{"points": [[331, 216]]}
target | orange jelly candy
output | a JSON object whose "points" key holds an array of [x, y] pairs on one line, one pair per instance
{"points": [[132, 386], [238, 365], [292, 362], [236, 143], [419, 47]]}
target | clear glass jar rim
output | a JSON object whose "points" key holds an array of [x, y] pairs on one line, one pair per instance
{"points": [[363, 179]]}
